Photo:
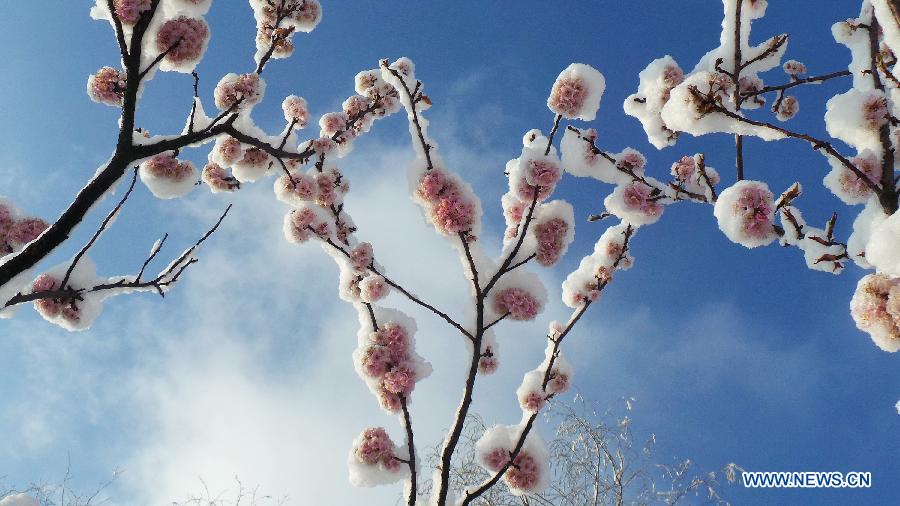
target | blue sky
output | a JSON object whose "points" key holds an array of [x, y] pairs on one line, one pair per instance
{"points": [[733, 355]]}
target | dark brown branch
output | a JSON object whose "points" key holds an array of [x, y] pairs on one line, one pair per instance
{"points": [[426, 147], [816, 143], [410, 444], [797, 82], [888, 195], [163, 280], [109, 217], [557, 341], [120, 32], [498, 320], [406, 293]]}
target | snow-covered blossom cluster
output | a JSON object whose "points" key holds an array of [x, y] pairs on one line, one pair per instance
{"points": [[713, 97], [17, 229], [277, 21], [386, 358], [528, 472], [375, 460], [167, 177]]}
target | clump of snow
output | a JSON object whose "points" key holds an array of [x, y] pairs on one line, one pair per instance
{"points": [[849, 187], [239, 92], [787, 108], [183, 40], [107, 86], [167, 177], [883, 246], [583, 285], [745, 212], [870, 217], [529, 472], [386, 358], [218, 179], [71, 314], [875, 308], [375, 460], [553, 230], [654, 90], [577, 91], [856, 116], [636, 204]]}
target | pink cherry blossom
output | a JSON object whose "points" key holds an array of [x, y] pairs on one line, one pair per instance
{"points": [[495, 459], [559, 382], [392, 336], [533, 401], [550, 236], [567, 96], [361, 257], [875, 111], [527, 192], [794, 68], [254, 157], [49, 307], [129, 11], [229, 149], [755, 206], [373, 288], [867, 164], [166, 166], [631, 161], [637, 197], [432, 184], [376, 446], [376, 361], [185, 36], [453, 213], [238, 92], [107, 86], [542, 173], [487, 365], [524, 473], [390, 401], [26, 230], [520, 304], [788, 108], [301, 220], [307, 14], [333, 123], [515, 211], [874, 308], [684, 168], [218, 179], [301, 186], [296, 110], [673, 76], [400, 380]]}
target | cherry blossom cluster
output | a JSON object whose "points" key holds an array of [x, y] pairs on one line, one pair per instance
{"points": [[386, 360], [374, 459], [876, 309], [70, 313], [596, 270], [528, 472], [16, 229], [540, 384], [167, 177], [278, 20], [107, 86], [711, 99]]}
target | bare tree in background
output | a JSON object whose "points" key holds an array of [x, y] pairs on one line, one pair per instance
{"points": [[596, 459]]}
